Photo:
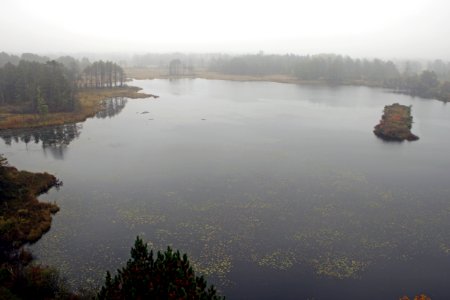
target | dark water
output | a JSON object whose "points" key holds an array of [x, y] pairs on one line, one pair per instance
{"points": [[275, 191]]}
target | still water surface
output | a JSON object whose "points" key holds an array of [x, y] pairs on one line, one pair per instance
{"points": [[275, 191]]}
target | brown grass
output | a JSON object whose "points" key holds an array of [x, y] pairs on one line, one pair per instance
{"points": [[89, 104], [160, 73], [146, 73]]}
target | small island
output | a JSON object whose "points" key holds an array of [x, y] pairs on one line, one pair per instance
{"points": [[395, 124]]}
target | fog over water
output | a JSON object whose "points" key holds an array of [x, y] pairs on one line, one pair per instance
{"points": [[385, 29]]}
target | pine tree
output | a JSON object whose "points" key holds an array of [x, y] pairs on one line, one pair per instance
{"points": [[169, 276]]}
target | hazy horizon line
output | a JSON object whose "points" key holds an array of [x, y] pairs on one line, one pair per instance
{"points": [[130, 54]]}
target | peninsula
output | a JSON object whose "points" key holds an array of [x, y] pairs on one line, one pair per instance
{"points": [[36, 94]]}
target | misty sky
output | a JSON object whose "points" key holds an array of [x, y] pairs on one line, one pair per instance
{"points": [[382, 28]]}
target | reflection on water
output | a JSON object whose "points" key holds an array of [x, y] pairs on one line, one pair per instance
{"points": [[54, 139], [283, 191], [112, 107]]}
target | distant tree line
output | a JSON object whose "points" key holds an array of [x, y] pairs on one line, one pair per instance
{"points": [[429, 83], [35, 84], [418, 78], [332, 68], [163, 60], [440, 68], [425, 85], [15, 59]]}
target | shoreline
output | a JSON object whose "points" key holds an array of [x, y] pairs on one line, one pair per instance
{"points": [[21, 192], [90, 102], [156, 73], [141, 73], [24, 219]]}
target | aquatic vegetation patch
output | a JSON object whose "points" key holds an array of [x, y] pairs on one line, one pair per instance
{"points": [[322, 238], [348, 181], [213, 260], [339, 267], [444, 248], [279, 259], [134, 216], [339, 228]]}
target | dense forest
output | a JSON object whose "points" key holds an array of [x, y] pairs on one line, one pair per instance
{"points": [[37, 87], [334, 68], [430, 82], [35, 84]]}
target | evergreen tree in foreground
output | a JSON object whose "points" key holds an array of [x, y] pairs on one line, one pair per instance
{"points": [[169, 276]]}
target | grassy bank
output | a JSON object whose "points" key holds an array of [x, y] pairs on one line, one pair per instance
{"points": [[90, 101], [396, 124], [160, 73]]}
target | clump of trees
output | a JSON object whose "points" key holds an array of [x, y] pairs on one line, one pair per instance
{"points": [[168, 276], [15, 59], [175, 67], [37, 87], [34, 84], [102, 74], [426, 85]]}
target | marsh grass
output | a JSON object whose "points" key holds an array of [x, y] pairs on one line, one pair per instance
{"points": [[163, 73]]}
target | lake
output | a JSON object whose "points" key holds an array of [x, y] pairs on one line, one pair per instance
{"points": [[275, 191]]}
